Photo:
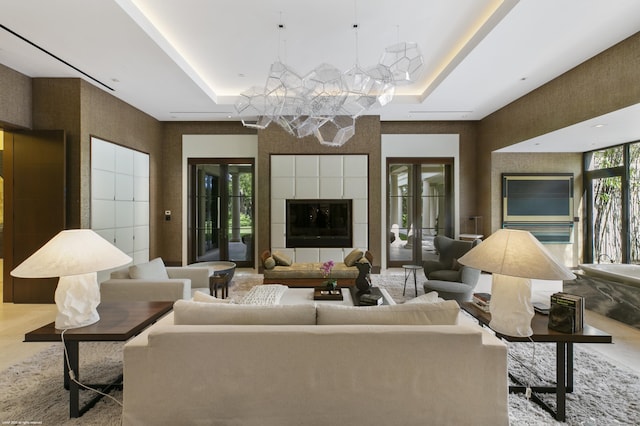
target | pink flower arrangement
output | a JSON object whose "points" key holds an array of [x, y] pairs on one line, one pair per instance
{"points": [[326, 268]]}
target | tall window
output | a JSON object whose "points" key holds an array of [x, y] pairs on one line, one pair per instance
{"points": [[612, 183]]}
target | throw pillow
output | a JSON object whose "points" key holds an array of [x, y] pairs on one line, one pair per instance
{"points": [[281, 259], [187, 312], [269, 263], [441, 313], [353, 257], [153, 270], [431, 297], [199, 296]]}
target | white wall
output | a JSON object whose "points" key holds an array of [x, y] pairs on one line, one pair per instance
{"points": [[424, 146], [212, 146]]}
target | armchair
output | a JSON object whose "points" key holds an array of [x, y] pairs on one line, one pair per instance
{"points": [[446, 276]]}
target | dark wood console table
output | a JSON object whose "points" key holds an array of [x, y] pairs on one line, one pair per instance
{"points": [[564, 355], [119, 322]]}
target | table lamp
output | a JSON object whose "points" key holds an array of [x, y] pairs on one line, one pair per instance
{"points": [[514, 257], [75, 256]]}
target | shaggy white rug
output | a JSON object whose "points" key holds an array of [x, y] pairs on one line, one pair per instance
{"points": [[32, 391]]}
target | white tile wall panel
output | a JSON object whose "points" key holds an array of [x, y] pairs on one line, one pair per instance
{"points": [[359, 211], [124, 187], [140, 164], [331, 165], [124, 160], [283, 187], [335, 254], [356, 166], [103, 214], [124, 239], [141, 214], [360, 235], [278, 212], [277, 235], [103, 185], [124, 214], [331, 187], [307, 255], [103, 156], [140, 188], [355, 187], [283, 165], [140, 238], [307, 187], [306, 166]]}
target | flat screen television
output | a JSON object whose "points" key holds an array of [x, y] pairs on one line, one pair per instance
{"points": [[319, 223]]}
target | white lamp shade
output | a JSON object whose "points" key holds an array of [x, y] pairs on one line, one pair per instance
{"points": [[517, 254], [72, 252], [75, 256]]}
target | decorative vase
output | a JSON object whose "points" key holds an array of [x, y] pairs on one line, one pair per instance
{"points": [[331, 284], [363, 282]]}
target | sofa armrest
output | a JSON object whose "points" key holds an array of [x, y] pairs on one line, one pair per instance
{"points": [[469, 276], [199, 276], [121, 290]]}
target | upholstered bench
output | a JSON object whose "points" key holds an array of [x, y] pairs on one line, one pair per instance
{"points": [[278, 269]]}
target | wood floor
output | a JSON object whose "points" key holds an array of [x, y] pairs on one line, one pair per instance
{"points": [[18, 319]]}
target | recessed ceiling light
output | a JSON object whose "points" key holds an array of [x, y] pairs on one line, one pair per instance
{"points": [[598, 126]]}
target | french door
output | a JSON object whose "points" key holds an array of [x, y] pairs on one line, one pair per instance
{"points": [[221, 216], [419, 207]]}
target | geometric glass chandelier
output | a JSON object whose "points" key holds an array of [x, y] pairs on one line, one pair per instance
{"points": [[325, 102]]}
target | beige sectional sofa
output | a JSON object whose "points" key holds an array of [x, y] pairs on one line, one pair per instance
{"points": [[315, 365], [152, 281], [309, 274]]}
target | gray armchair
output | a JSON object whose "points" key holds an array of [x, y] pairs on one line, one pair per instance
{"points": [[446, 276]]}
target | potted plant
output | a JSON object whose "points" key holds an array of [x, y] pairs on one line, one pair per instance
{"points": [[326, 268]]}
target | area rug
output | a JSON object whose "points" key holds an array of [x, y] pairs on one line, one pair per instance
{"points": [[605, 394]]}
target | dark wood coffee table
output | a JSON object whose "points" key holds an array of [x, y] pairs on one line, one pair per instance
{"points": [[564, 355], [119, 321]]}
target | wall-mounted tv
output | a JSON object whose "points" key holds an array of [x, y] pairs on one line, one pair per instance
{"points": [[537, 197], [319, 223]]}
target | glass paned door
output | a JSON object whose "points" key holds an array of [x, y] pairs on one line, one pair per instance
{"points": [[634, 202], [221, 211], [418, 208]]}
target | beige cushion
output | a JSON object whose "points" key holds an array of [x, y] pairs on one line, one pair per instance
{"points": [[199, 313], [353, 257], [281, 259], [199, 296], [269, 262], [431, 297], [152, 270], [441, 313]]}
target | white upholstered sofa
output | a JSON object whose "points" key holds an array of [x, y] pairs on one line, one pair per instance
{"points": [[226, 364], [153, 281]]}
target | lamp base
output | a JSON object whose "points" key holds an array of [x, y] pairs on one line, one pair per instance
{"points": [[510, 307], [77, 298]]}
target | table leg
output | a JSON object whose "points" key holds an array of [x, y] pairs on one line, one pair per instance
{"points": [[561, 380], [406, 275], [569, 367], [74, 391], [415, 282]]}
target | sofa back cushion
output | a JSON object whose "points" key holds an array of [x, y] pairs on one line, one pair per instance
{"points": [[187, 312], [439, 313], [152, 270]]}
